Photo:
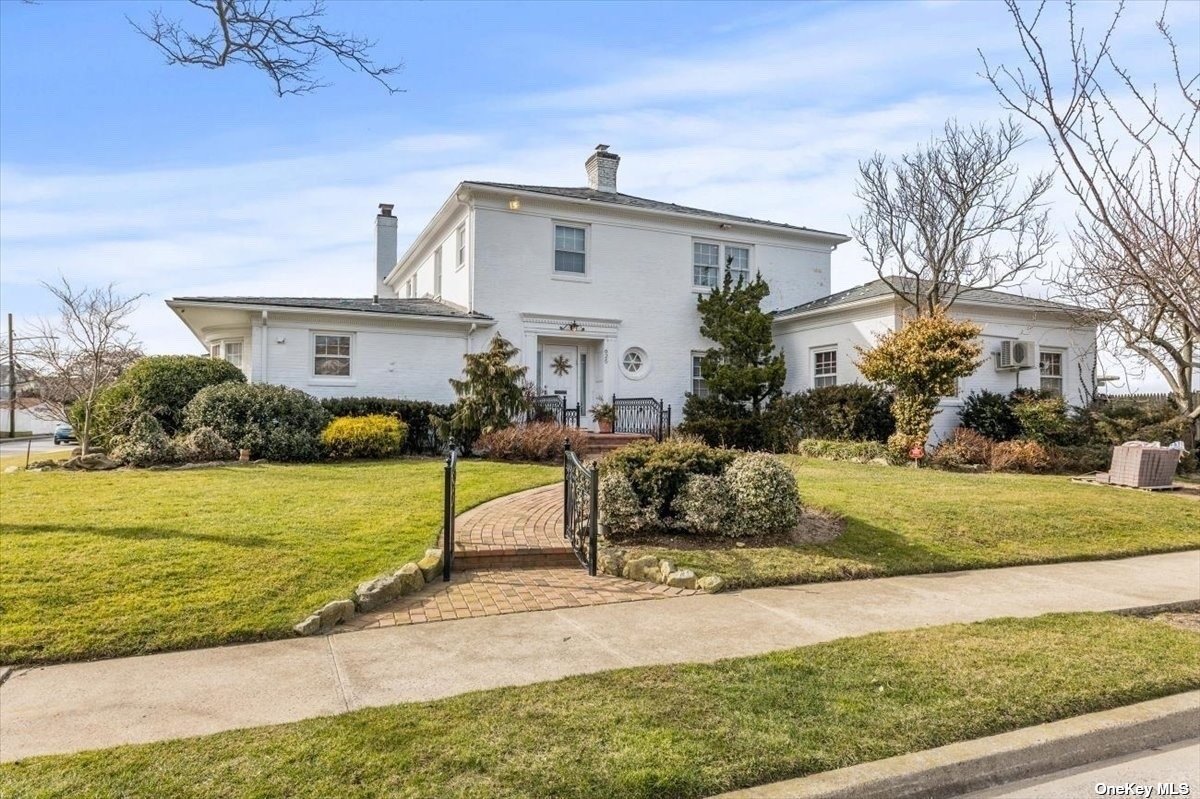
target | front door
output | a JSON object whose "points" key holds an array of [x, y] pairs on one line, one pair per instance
{"points": [[560, 372]]}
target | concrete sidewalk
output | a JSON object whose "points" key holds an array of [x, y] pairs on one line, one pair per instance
{"points": [[93, 705]]}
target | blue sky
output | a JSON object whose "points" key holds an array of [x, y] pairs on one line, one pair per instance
{"points": [[174, 181]]}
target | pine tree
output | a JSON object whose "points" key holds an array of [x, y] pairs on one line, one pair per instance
{"points": [[491, 393], [744, 367]]}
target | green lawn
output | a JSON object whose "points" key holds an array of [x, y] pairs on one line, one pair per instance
{"points": [[128, 562], [905, 521], [675, 731]]}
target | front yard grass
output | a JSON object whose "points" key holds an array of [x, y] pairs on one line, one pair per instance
{"points": [[129, 562], [909, 521], [672, 731]]}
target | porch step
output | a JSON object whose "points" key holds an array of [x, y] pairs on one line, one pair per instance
{"points": [[525, 557], [600, 444]]}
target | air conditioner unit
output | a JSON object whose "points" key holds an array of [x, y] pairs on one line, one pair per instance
{"points": [[1016, 355]]}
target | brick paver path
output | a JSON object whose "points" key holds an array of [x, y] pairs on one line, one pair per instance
{"points": [[494, 592], [510, 557]]}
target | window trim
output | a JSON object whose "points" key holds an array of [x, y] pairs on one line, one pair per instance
{"points": [[699, 385], [579, 277], [812, 359], [313, 377], [218, 345], [1061, 377], [437, 272], [643, 371], [460, 246]]}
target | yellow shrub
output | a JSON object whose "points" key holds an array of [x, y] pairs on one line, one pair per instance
{"points": [[375, 436]]}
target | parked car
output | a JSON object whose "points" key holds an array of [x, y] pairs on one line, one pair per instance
{"points": [[64, 433]]}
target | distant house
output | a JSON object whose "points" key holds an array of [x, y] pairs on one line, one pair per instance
{"points": [[31, 416], [598, 290]]}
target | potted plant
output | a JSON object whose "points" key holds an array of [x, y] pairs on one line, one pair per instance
{"points": [[605, 414]]}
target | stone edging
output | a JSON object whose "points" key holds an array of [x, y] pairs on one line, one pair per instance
{"points": [[408, 579], [649, 569]]}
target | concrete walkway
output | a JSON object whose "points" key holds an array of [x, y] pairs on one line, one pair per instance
{"points": [[92, 705]]}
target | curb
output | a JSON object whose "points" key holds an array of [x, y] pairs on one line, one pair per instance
{"points": [[958, 768]]}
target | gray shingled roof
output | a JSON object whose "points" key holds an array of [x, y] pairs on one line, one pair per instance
{"points": [[878, 288], [394, 307], [629, 201]]}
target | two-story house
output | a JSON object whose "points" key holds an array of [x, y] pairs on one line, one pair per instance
{"points": [[597, 288]]}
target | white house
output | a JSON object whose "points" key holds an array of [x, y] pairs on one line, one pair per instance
{"points": [[598, 290]]}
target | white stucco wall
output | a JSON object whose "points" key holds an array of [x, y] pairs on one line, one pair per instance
{"points": [[847, 329]]}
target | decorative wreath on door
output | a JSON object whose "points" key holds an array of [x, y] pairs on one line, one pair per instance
{"points": [[560, 365]]}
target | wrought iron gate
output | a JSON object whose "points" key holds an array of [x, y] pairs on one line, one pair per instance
{"points": [[581, 488], [644, 415], [554, 406]]}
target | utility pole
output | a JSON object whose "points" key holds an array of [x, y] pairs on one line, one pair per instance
{"points": [[12, 383]]}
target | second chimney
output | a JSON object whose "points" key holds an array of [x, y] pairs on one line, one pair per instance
{"points": [[602, 169], [385, 249]]}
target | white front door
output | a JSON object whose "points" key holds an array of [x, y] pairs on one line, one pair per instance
{"points": [[560, 372]]}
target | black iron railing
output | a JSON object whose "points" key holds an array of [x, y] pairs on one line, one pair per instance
{"points": [[554, 408], [581, 489], [644, 415], [449, 490]]}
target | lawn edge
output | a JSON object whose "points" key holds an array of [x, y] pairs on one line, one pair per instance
{"points": [[956, 768]]}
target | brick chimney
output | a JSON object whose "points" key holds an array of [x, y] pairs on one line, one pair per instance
{"points": [[602, 169], [385, 249]]}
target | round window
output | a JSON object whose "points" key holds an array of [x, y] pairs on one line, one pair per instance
{"points": [[635, 363]]}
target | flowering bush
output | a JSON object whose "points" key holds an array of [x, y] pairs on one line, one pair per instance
{"points": [[1020, 456], [619, 506], [144, 445], [373, 436], [536, 441], [765, 496], [205, 444], [965, 447], [705, 505]]}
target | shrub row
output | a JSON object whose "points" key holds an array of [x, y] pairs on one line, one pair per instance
{"points": [[422, 418], [687, 486], [858, 451], [372, 436], [536, 441]]}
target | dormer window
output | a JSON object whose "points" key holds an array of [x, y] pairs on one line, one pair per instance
{"points": [[570, 250]]}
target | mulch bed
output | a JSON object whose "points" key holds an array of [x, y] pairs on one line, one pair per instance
{"points": [[815, 527]]}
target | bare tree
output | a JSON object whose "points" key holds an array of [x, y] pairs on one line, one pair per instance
{"points": [[81, 352], [1129, 156], [952, 216], [286, 46]]}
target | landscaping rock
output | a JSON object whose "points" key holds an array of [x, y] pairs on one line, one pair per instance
{"points": [[665, 567], [11, 469], [684, 578], [610, 561], [309, 626], [643, 568], [410, 579], [93, 462], [335, 613], [373, 593], [431, 565], [711, 583]]}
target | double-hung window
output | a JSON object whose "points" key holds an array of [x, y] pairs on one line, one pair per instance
{"points": [[706, 264], [1050, 365], [699, 386], [331, 355], [737, 261], [709, 256], [570, 250], [437, 272], [460, 247], [227, 350], [824, 368]]}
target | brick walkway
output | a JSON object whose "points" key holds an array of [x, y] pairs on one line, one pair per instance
{"points": [[510, 557], [495, 592]]}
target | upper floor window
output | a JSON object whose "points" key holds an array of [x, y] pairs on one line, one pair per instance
{"points": [[707, 258], [409, 288], [1051, 368], [460, 247], [437, 272], [699, 385], [331, 355], [737, 261], [570, 248], [824, 368]]}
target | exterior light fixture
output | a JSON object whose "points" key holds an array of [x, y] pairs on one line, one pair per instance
{"points": [[514, 203]]}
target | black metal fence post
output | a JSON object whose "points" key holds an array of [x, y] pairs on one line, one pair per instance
{"points": [[567, 487], [448, 497], [594, 520]]}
